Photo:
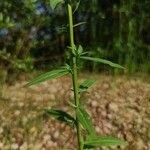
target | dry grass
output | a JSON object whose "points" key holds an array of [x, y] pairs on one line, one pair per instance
{"points": [[119, 106]]}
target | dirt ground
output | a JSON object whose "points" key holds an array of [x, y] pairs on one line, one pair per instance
{"points": [[119, 106]]}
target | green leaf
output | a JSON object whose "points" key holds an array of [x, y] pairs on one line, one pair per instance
{"points": [[78, 24], [48, 76], [98, 141], [85, 120], [77, 6], [80, 50], [99, 60], [85, 85], [60, 115], [54, 3], [84, 53], [73, 50]]}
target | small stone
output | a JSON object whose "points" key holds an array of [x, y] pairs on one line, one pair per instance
{"points": [[110, 116], [13, 140], [139, 121], [14, 146], [39, 99], [33, 130], [52, 89], [21, 104], [24, 146], [56, 134], [103, 114], [109, 126], [47, 138], [148, 145], [97, 129], [17, 113], [129, 137], [113, 107], [1, 130], [6, 147], [52, 97], [1, 145], [140, 144], [106, 85], [62, 92], [94, 103], [30, 146], [97, 96], [37, 146], [55, 144], [49, 144], [62, 125], [106, 130]]}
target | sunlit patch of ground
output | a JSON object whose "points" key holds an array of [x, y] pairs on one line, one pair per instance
{"points": [[119, 106]]}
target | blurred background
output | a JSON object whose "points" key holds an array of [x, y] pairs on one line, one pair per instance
{"points": [[34, 37]]}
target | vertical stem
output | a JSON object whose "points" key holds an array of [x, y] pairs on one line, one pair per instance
{"points": [[75, 76]]}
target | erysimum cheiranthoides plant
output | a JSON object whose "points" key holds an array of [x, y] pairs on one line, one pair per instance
{"points": [[82, 119]]}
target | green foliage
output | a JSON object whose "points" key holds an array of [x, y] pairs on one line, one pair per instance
{"points": [[77, 6], [3, 77], [79, 50], [61, 116], [85, 120], [98, 141], [54, 3], [16, 36], [48, 76], [24, 64], [5, 21], [79, 24], [103, 61], [118, 35], [86, 85], [82, 117]]}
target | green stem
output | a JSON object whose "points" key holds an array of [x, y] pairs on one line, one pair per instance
{"points": [[75, 76]]}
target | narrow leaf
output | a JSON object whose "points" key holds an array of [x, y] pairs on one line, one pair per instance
{"points": [[85, 85], [85, 120], [80, 50], [78, 24], [60, 115], [104, 61], [84, 53], [54, 3], [77, 6], [98, 141], [47, 76]]}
